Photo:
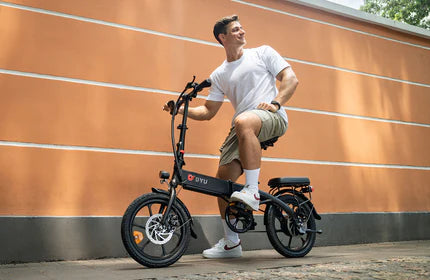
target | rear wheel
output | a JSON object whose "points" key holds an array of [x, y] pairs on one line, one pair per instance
{"points": [[290, 240], [146, 239]]}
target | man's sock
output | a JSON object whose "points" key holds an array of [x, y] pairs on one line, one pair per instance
{"points": [[251, 177], [228, 233]]}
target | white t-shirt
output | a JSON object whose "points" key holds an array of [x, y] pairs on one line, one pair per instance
{"points": [[248, 81]]}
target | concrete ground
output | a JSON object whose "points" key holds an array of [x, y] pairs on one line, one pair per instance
{"points": [[396, 260]]}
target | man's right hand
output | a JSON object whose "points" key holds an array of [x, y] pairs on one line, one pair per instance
{"points": [[170, 106], [166, 107]]}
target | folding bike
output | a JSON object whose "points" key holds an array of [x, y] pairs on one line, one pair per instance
{"points": [[157, 226]]}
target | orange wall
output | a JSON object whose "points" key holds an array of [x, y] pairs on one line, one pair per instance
{"points": [[351, 73]]}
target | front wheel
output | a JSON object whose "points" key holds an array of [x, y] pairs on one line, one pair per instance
{"points": [[146, 239], [290, 240]]}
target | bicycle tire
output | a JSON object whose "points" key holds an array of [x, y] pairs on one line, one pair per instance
{"points": [[146, 252], [278, 234]]}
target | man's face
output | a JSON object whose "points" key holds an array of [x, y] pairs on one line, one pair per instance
{"points": [[235, 34]]}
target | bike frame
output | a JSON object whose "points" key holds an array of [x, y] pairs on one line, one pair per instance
{"points": [[198, 182]]}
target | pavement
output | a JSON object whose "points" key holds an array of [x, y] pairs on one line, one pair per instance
{"points": [[394, 260]]}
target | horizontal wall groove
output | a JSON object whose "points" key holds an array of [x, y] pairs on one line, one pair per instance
{"points": [[356, 72], [329, 24], [184, 38], [106, 23], [84, 82], [203, 156], [355, 116], [152, 90]]}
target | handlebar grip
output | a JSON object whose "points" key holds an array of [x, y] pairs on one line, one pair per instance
{"points": [[206, 83], [171, 105]]}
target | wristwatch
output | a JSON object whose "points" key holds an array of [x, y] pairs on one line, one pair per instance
{"points": [[274, 102]]}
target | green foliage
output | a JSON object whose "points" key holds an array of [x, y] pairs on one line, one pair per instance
{"points": [[414, 12]]}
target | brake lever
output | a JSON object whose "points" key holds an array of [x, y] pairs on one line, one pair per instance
{"points": [[191, 84]]}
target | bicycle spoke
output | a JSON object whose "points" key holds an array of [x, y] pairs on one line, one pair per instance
{"points": [[303, 241], [136, 225], [289, 242], [163, 249], [144, 245]]}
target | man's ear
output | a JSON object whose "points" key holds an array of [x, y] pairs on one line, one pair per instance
{"points": [[222, 37]]}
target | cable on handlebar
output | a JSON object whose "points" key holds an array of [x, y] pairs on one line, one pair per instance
{"points": [[181, 99]]}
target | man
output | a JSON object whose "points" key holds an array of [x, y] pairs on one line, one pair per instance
{"points": [[248, 78]]}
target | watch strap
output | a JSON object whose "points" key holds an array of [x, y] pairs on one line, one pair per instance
{"points": [[274, 102]]}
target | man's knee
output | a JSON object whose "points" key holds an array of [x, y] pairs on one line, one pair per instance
{"points": [[246, 122]]}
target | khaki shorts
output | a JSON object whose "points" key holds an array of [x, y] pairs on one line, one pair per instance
{"points": [[272, 125]]}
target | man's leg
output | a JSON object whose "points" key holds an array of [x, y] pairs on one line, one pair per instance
{"points": [[247, 126], [229, 246], [230, 171]]}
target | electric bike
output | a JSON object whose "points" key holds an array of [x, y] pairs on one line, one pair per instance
{"points": [[157, 226]]}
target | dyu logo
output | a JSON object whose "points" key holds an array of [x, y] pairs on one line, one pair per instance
{"points": [[197, 179]]}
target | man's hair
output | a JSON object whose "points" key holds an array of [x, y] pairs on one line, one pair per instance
{"points": [[221, 26]]}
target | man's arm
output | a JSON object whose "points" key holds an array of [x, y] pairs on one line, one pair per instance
{"points": [[204, 112], [201, 113], [287, 87]]}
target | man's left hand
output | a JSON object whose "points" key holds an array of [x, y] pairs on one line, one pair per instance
{"points": [[267, 106]]}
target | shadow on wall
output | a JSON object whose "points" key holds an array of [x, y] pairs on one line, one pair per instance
{"points": [[366, 141], [357, 140], [60, 238]]}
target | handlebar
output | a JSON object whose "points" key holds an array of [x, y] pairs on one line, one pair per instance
{"points": [[191, 85], [206, 83], [183, 98]]}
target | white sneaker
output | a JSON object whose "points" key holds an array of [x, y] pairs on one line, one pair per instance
{"points": [[249, 196], [224, 249]]}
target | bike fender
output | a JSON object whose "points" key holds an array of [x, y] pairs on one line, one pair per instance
{"points": [[302, 196], [193, 234]]}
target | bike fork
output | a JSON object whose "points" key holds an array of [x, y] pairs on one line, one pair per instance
{"points": [[169, 206]]}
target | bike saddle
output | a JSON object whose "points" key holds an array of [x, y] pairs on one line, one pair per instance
{"points": [[268, 143], [289, 181]]}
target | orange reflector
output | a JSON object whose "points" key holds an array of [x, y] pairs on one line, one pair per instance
{"points": [[138, 236]]}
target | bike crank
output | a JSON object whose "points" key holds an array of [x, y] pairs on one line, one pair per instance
{"points": [[239, 218]]}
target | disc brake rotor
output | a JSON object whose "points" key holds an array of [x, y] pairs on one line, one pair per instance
{"points": [[156, 232]]}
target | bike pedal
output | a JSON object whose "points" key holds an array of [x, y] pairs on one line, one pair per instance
{"points": [[314, 231], [238, 204]]}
